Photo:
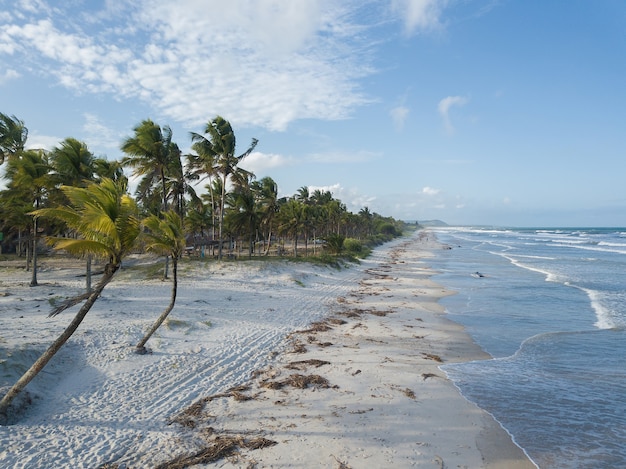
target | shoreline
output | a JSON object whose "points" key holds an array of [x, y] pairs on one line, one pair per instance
{"points": [[371, 392], [355, 384]]}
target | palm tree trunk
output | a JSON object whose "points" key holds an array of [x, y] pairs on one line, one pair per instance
{"points": [[140, 347], [269, 242], [164, 188], [88, 274], [295, 245], [43, 360], [33, 279], [219, 252]]}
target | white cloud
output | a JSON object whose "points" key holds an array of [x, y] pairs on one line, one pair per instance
{"points": [[263, 63], [333, 189], [352, 198], [9, 74], [98, 134], [399, 115], [36, 141], [444, 110], [419, 15], [430, 191], [259, 162]]}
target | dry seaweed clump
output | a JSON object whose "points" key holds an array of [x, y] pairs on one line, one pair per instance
{"points": [[303, 364], [298, 381], [318, 326], [432, 356], [219, 448], [187, 418]]}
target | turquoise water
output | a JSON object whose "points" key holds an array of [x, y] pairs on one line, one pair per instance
{"points": [[549, 306]]}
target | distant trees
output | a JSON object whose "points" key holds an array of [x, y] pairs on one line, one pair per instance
{"points": [[216, 153], [234, 206]]}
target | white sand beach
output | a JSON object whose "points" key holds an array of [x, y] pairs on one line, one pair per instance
{"points": [[261, 364]]}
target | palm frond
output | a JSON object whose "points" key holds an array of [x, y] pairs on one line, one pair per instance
{"points": [[80, 247]]}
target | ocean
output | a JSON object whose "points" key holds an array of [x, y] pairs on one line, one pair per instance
{"points": [[549, 305]]}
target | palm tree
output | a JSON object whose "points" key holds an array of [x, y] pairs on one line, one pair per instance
{"points": [[293, 217], [366, 218], [74, 165], [245, 215], [109, 169], [150, 153], [107, 219], [202, 165], [267, 193], [29, 175], [165, 236], [220, 146], [198, 220], [13, 135], [303, 195]]}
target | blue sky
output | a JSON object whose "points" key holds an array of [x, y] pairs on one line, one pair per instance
{"points": [[499, 112]]}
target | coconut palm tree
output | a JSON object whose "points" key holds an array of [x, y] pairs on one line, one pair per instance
{"points": [[267, 193], [13, 135], [107, 219], [74, 165], [165, 236], [29, 178], [150, 152], [109, 169], [203, 165], [220, 146], [244, 216], [293, 216]]}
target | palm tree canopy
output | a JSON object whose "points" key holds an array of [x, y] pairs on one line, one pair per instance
{"points": [[73, 163], [13, 135], [150, 152], [166, 235], [105, 216], [29, 173], [147, 148], [219, 148]]}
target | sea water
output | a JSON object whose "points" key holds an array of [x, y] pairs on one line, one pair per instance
{"points": [[550, 307]]}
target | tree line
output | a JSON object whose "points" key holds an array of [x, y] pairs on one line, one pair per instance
{"points": [[81, 205], [233, 209]]}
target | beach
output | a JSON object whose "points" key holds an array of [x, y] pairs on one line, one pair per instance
{"points": [[261, 364]]}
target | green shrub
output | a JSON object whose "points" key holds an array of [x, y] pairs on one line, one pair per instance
{"points": [[353, 245], [334, 243]]}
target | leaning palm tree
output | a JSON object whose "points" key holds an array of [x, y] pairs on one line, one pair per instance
{"points": [[165, 236], [107, 219]]}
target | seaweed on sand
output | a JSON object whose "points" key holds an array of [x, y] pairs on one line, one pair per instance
{"points": [[298, 381], [219, 448]]}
